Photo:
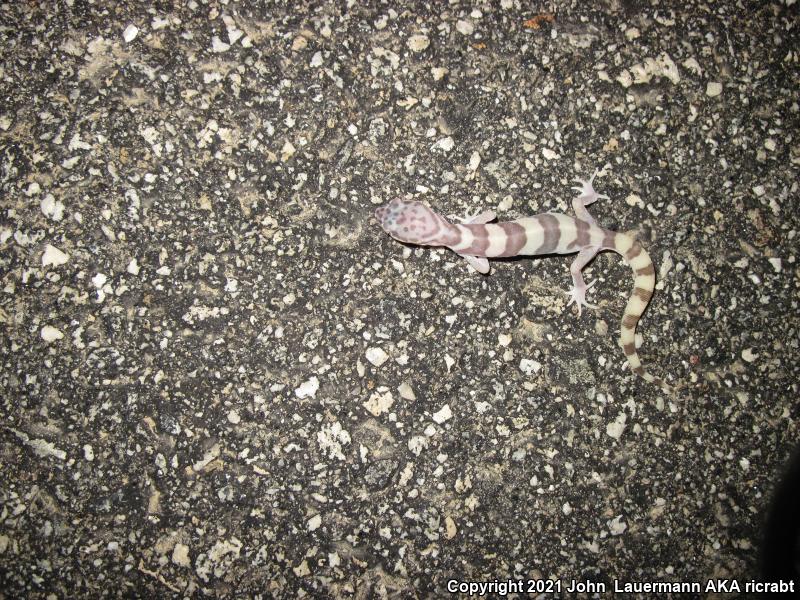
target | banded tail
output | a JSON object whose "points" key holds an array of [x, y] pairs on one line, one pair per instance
{"points": [[643, 285]]}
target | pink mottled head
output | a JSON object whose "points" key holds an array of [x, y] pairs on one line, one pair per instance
{"points": [[412, 222]]}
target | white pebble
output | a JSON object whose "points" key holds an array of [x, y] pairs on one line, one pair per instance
{"points": [[617, 525], [53, 256], [446, 144], [417, 444], [438, 73], [180, 555], [314, 522], [133, 267], [549, 154], [406, 391], [634, 200], [444, 414], [529, 367], [307, 389], [51, 334], [465, 27], [217, 45], [714, 88], [130, 33], [99, 280], [418, 43], [234, 417], [52, 208], [379, 402], [376, 356], [616, 427]]}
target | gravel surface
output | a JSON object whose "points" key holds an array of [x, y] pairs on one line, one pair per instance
{"points": [[221, 378]]}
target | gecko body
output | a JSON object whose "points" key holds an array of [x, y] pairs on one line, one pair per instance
{"points": [[477, 240]]}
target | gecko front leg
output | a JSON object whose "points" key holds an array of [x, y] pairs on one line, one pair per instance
{"points": [[586, 197], [578, 292]]}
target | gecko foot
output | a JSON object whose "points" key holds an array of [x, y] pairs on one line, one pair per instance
{"points": [[586, 189], [578, 296]]}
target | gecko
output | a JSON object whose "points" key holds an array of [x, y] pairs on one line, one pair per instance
{"points": [[477, 240]]}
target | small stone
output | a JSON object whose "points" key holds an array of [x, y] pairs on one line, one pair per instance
{"points": [[444, 414], [529, 366], [379, 402], [133, 267], [616, 427], [217, 45], [450, 527], [474, 161], [465, 27], [406, 391], [52, 208], [417, 443], [446, 144], [53, 256], [302, 569], [376, 356], [307, 389], [287, 151], [634, 200], [617, 525], [299, 43], [713, 88], [418, 43], [51, 334], [180, 555], [314, 522], [234, 417], [549, 154], [438, 73], [130, 33]]}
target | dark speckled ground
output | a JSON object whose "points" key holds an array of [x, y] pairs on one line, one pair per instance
{"points": [[221, 378]]}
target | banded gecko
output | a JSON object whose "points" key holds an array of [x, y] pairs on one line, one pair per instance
{"points": [[477, 240]]}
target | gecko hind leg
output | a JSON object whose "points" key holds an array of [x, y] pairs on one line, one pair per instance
{"points": [[578, 292], [587, 195]]}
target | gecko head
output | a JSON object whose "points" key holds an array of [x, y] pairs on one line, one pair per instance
{"points": [[412, 222]]}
